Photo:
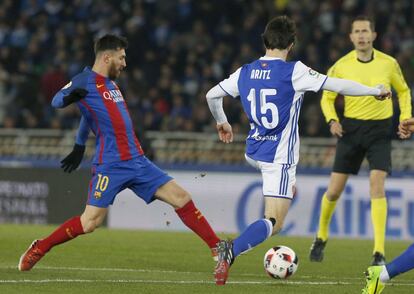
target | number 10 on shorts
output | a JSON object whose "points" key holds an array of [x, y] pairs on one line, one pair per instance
{"points": [[101, 185]]}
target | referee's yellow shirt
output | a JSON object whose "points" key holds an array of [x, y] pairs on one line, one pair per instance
{"points": [[382, 69]]}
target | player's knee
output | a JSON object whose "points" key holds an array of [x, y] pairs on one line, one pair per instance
{"points": [[181, 198], [333, 194], [89, 225], [376, 190]]}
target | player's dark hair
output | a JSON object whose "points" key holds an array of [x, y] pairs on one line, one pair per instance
{"points": [[364, 18], [280, 32], [110, 42]]}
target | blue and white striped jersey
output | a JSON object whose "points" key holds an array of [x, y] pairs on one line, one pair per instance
{"points": [[271, 91]]}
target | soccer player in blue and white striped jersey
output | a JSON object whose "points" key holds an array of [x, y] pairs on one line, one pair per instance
{"points": [[271, 91]]}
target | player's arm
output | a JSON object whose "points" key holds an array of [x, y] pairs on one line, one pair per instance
{"points": [[215, 102], [305, 79], [403, 92], [351, 88], [74, 158], [72, 92]]}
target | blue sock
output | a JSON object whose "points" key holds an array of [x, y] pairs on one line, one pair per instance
{"points": [[402, 263], [255, 234]]}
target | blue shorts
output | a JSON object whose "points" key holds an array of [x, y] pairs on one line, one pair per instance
{"points": [[138, 174]]}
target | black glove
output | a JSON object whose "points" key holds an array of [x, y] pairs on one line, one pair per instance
{"points": [[72, 161], [74, 96]]}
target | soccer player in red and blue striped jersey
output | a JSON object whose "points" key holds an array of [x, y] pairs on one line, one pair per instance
{"points": [[119, 162]]}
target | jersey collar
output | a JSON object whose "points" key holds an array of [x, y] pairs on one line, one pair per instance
{"points": [[368, 61], [270, 58]]}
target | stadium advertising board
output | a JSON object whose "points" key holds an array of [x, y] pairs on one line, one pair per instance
{"points": [[30, 195], [231, 201]]}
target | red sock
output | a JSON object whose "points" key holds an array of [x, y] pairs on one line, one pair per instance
{"points": [[193, 219], [67, 231]]}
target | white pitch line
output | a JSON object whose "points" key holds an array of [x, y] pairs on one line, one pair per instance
{"points": [[161, 282], [26, 281], [105, 269], [300, 282]]}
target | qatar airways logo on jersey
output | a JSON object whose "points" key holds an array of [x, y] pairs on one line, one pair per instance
{"points": [[114, 95]]}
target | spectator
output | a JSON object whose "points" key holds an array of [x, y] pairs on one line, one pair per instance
{"points": [[177, 47]]}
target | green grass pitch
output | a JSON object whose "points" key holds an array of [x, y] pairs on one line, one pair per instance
{"points": [[127, 261]]}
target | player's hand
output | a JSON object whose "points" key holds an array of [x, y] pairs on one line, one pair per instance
{"points": [[385, 93], [406, 128], [72, 161], [225, 132], [74, 96], [336, 129]]}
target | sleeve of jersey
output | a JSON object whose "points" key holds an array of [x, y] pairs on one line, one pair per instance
{"points": [[328, 100], [306, 79], [229, 85], [403, 92], [83, 132], [76, 82], [215, 103]]}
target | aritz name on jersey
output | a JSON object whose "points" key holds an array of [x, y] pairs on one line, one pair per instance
{"points": [[260, 74], [114, 95]]}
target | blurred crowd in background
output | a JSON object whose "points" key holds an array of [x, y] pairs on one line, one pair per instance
{"points": [[178, 50]]}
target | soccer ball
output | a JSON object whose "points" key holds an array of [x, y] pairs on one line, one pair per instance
{"points": [[280, 262]]}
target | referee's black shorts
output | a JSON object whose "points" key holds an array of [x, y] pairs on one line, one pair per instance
{"points": [[370, 138]]}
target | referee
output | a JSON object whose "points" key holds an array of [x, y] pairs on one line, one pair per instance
{"points": [[365, 131]]}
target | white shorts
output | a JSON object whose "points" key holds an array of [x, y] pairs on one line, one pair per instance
{"points": [[278, 179]]}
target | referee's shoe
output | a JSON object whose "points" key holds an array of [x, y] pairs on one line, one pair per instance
{"points": [[316, 250]]}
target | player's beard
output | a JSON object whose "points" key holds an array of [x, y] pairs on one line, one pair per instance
{"points": [[114, 72]]}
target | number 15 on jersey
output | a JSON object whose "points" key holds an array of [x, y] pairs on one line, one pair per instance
{"points": [[267, 120]]}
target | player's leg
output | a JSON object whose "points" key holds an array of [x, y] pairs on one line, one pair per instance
{"points": [[152, 183], [75, 226], [278, 198], [328, 204], [103, 188], [348, 159], [257, 232], [336, 186], [378, 214], [92, 218], [192, 217], [278, 187], [378, 144], [377, 276], [401, 264]]}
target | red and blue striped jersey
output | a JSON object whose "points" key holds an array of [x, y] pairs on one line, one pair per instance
{"points": [[105, 112]]}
